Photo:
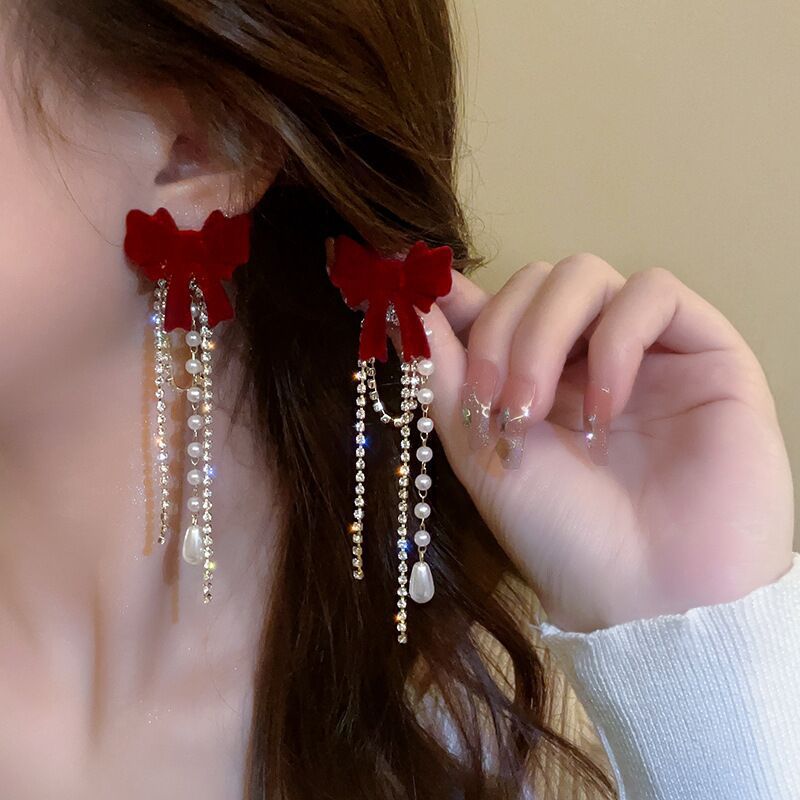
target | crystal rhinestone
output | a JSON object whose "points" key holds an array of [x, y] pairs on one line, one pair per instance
{"points": [[421, 586]]}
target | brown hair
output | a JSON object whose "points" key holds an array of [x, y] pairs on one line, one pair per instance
{"points": [[362, 95]]}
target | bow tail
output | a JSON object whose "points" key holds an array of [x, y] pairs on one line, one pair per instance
{"points": [[412, 331], [178, 312], [373, 332], [217, 303]]}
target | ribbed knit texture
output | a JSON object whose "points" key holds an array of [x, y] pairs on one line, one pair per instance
{"points": [[703, 705]]}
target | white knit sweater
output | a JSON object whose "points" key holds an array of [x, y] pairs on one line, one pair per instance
{"points": [[703, 705]]}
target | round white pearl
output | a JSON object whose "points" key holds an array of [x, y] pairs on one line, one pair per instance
{"points": [[425, 367], [422, 538], [424, 453], [195, 422], [425, 395], [194, 505], [193, 366], [422, 510], [193, 338], [195, 477], [423, 482], [194, 394], [195, 449], [424, 424], [195, 309]]}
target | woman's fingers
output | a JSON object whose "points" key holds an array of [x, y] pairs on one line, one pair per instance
{"points": [[489, 342], [654, 308], [567, 303]]}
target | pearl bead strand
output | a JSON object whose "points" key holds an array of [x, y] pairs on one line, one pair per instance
{"points": [[421, 588]]}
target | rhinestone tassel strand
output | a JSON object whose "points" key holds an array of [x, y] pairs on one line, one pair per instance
{"points": [[198, 540], [413, 395]]}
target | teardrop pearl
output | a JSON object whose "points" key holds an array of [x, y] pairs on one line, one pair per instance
{"points": [[193, 546], [420, 586]]}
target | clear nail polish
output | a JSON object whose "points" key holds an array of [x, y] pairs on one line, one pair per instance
{"points": [[515, 417], [477, 394], [596, 417]]}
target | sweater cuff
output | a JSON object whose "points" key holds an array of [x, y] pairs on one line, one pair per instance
{"points": [[704, 704]]}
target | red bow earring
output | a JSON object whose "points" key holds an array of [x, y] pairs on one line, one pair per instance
{"points": [[390, 289], [188, 268]]}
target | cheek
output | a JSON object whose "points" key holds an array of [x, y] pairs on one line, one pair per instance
{"points": [[67, 295]]}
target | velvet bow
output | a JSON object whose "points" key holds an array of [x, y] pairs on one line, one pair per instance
{"points": [[363, 275], [160, 250]]}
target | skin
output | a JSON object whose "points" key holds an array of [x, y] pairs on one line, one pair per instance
{"points": [[116, 681], [695, 503], [112, 665]]}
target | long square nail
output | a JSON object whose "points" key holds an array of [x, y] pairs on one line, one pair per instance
{"points": [[596, 417], [515, 419], [477, 394]]}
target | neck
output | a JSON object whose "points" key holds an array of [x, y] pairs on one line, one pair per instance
{"points": [[85, 589]]}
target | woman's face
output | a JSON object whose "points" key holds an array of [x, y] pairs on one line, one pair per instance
{"points": [[69, 301], [67, 297]]}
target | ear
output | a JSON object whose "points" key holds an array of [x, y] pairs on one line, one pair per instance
{"points": [[187, 176]]}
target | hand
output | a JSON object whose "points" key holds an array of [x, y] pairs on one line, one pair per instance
{"points": [[693, 504]]}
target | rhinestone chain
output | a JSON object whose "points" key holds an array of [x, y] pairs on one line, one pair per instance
{"points": [[163, 367], [198, 541]]}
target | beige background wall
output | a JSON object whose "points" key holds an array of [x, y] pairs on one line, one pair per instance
{"points": [[650, 132]]}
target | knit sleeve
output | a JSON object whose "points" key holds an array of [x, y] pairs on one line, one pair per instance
{"points": [[703, 705]]}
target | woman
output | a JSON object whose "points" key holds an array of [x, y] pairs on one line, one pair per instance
{"points": [[669, 535]]}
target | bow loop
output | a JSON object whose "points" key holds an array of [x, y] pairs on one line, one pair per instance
{"points": [[363, 275]]}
